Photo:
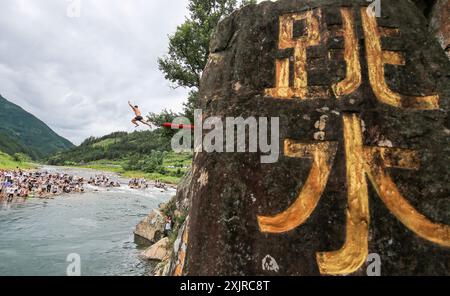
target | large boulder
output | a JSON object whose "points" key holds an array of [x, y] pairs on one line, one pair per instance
{"points": [[175, 264], [159, 251], [364, 129], [151, 228]]}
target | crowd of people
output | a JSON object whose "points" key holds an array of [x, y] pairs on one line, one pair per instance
{"points": [[16, 184], [20, 184], [136, 183], [103, 181], [160, 185]]}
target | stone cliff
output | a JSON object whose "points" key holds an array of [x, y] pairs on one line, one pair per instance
{"points": [[362, 102]]}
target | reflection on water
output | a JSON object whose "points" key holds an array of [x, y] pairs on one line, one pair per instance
{"points": [[36, 237]]}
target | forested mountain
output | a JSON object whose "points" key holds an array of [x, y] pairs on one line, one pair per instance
{"points": [[22, 132], [115, 146]]}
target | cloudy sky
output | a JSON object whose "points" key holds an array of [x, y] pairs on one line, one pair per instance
{"points": [[77, 73]]}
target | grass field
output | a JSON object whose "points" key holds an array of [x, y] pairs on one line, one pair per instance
{"points": [[7, 162], [173, 164], [104, 143]]}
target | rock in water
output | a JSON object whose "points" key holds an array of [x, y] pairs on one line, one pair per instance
{"points": [[362, 100], [158, 251], [151, 228]]}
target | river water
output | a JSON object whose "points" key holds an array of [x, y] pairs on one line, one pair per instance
{"points": [[36, 237]]}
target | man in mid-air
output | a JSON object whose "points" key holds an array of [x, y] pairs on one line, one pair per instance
{"points": [[138, 117]]}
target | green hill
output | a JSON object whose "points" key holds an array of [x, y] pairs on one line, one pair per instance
{"points": [[115, 146], [22, 132], [12, 146], [139, 154], [8, 162]]}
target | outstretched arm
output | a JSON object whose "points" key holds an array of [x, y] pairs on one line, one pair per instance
{"points": [[129, 103]]}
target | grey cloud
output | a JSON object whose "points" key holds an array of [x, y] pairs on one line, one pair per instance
{"points": [[77, 74]]}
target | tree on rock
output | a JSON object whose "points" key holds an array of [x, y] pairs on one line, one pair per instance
{"points": [[189, 45]]}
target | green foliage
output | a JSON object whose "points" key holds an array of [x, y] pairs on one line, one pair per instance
{"points": [[105, 143], [146, 163], [189, 46], [8, 162], [170, 207], [22, 132], [162, 163], [11, 146], [159, 118], [116, 146], [169, 211], [166, 116], [98, 141], [137, 155], [31, 136], [21, 157]]}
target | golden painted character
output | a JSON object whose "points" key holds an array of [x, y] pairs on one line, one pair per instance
{"points": [[362, 163]]}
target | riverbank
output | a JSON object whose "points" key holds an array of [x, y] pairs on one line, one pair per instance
{"points": [[117, 167], [37, 236], [8, 162], [165, 166], [19, 185]]}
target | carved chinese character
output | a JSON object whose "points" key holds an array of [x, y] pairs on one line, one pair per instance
{"points": [[376, 60], [352, 80], [287, 40], [362, 163]]}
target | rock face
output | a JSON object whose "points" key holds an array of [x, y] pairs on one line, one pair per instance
{"points": [[173, 264], [184, 193], [151, 228], [158, 251], [178, 259], [440, 23], [363, 108]]}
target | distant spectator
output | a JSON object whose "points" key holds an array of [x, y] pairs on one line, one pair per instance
{"points": [[168, 227]]}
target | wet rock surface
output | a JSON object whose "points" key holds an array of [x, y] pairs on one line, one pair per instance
{"points": [[230, 190], [440, 23], [151, 228], [158, 251]]}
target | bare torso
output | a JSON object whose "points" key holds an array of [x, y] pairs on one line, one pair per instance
{"points": [[137, 112]]}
